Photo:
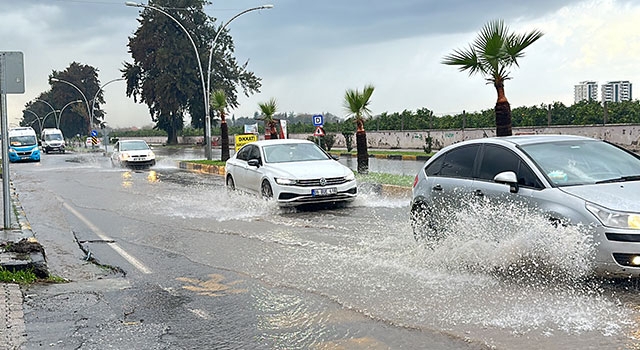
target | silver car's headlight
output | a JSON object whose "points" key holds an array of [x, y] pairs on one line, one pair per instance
{"points": [[281, 181], [351, 176], [615, 219]]}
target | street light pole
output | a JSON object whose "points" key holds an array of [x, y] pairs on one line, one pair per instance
{"points": [[37, 118], [93, 102], [208, 93], [195, 48], [62, 110], [48, 104], [89, 114], [205, 88]]}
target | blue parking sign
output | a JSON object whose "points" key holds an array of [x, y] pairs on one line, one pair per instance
{"points": [[318, 120]]}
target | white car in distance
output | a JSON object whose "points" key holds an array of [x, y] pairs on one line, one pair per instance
{"points": [[134, 154]]}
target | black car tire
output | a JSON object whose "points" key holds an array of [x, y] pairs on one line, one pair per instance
{"points": [[266, 190], [231, 185], [422, 223]]}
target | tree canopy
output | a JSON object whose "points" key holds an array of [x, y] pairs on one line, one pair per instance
{"points": [[78, 82]]}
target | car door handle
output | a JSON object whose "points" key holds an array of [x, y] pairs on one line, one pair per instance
{"points": [[437, 188], [478, 193]]}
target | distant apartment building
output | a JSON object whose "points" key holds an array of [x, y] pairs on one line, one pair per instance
{"points": [[586, 91], [616, 91]]}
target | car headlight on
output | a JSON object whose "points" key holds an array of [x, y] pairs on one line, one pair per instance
{"points": [[124, 156], [11, 150], [281, 181], [151, 155], [615, 219]]}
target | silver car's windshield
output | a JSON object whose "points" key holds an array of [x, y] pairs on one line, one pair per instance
{"points": [[568, 163], [134, 146], [293, 152]]}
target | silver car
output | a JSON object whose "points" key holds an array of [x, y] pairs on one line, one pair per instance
{"points": [[571, 180]]}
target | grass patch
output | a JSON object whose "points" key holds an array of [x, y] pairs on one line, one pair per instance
{"points": [[390, 152], [386, 179], [205, 161], [20, 277]]}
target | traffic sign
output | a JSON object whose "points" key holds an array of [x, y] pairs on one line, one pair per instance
{"points": [[94, 133], [319, 131], [318, 120]]}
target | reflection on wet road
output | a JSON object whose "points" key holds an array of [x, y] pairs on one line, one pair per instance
{"points": [[512, 284]]}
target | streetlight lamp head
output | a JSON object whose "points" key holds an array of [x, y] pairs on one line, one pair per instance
{"points": [[55, 79], [131, 3], [267, 6]]}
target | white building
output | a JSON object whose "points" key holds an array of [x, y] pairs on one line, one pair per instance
{"points": [[586, 90], [616, 91]]}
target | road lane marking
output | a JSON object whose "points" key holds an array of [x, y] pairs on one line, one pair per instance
{"points": [[133, 261]]}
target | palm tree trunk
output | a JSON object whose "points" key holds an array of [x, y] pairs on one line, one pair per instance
{"points": [[503, 119], [363, 154], [503, 112], [224, 134]]}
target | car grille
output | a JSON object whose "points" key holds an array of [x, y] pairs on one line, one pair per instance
{"points": [[318, 182], [22, 154]]}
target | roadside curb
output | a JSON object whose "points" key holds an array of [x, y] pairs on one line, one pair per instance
{"points": [[382, 189], [25, 252]]}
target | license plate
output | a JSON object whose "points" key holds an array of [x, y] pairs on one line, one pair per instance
{"points": [[324, 191]]}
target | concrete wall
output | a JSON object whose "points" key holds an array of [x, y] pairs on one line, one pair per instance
{"points": [[625, 135]]}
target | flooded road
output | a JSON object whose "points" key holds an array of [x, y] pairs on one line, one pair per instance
{"points": [[512, 284]]}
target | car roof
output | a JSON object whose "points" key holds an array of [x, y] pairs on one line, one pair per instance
{"points": [[263, 143], [522, 140]]}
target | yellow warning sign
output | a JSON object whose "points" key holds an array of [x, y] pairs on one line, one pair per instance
{"points": [[243, 139]]}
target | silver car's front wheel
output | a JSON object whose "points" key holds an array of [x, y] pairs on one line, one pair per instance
{"points": [[231, 185], [423, 225], [266, 190]]}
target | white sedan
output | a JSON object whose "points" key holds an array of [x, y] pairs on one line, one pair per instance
{"points": [[293, 172], [132, 154]]}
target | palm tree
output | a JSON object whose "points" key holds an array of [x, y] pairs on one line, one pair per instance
{"points": [[268, 110], [493, 52], [219, 104], [357, 104]]}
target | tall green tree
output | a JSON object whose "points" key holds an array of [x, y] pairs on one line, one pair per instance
{"points": [[356, 103], [492, 54], [268, 110], [218, 102], [165, 73], [75, 119]]}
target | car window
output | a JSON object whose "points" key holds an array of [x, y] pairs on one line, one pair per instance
{"points": [[567, 163], [457, 162], [497, 159], [254, 152], [243, 153], [134, 146], [293, 152]]}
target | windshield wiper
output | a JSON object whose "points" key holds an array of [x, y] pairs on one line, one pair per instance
{"points": [[620, 179]]}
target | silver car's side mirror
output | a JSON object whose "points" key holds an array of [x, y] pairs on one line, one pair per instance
{"points": [[509, 178]]}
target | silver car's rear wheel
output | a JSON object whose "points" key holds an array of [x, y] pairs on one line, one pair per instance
{"points": [[267, 192]]}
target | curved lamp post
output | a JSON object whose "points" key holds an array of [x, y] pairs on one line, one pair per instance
{"points": [[37, 118], [93, 102], [205, 88], [45, 119], [208, 94], [48, 104], [89, 114], [62, 110]]}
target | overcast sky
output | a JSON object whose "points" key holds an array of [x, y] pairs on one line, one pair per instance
{"points": [[308, 52]]}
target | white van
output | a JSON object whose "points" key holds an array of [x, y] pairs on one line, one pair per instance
{"points": [[23, 145], [52, 140]]}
